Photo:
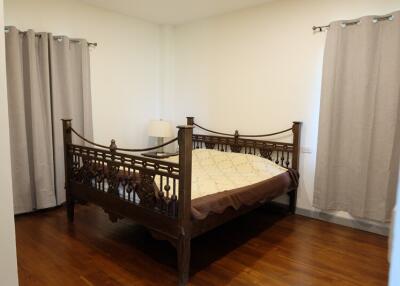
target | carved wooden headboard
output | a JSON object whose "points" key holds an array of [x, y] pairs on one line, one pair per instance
{"points": [[285, 154]]}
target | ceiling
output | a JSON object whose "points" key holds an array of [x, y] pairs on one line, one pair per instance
{"points": [[173, 11]]}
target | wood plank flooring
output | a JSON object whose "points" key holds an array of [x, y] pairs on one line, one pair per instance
{"points": [[261, 248]]}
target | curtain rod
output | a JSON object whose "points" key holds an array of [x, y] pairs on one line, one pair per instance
{"points": [[320, 28], [353, 22], [90, 44]]}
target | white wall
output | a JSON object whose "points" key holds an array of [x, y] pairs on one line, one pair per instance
{"points": [[8, 259], [124, 67], [259, 69]]}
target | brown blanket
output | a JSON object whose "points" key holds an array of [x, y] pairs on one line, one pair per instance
{"points": [[248, 195]]}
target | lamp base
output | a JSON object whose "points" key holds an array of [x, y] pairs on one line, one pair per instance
{"points": [[160, 141], [158, 155]]}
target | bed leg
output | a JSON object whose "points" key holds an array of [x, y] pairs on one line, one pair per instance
{"points": [[67, 139], [183, 260], [292, 201], [70, 208]]}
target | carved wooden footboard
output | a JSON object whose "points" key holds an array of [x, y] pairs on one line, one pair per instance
{"points": [[157, 193], [152, 192]]}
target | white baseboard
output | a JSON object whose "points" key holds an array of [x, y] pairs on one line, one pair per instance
{"points": [[377, 228]]}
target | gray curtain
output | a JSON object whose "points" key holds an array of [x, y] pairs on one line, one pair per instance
{"points": [[47, 80], [359, 127], [30, 120], [71, 97]]}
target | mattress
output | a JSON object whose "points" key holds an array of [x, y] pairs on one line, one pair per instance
{"points": [[224, 179]]}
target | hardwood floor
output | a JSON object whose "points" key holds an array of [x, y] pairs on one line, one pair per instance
{"points": [[261, 248]]}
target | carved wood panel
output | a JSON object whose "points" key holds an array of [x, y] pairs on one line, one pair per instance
{"points": [[279, 152], [130, 178]]}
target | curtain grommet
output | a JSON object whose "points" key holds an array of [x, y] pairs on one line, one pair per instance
{"points": [[378, 19]]}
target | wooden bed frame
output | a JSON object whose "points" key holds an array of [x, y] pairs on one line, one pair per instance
{"points": [[98, 174]]}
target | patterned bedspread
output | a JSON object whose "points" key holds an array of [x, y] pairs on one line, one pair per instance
{"points": [[214, 171]]}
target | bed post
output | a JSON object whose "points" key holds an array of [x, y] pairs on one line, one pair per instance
{"points": [[296, 144], [67, 139], [190, 120], [184, 215], [295, 163]]}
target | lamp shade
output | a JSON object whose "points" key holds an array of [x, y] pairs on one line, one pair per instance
{"points": [[160, 128]]}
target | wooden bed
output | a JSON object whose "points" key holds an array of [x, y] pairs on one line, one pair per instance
{"points": [[124, 184]]}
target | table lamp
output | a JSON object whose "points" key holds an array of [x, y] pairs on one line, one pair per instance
{"points": [[160, 129]]}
